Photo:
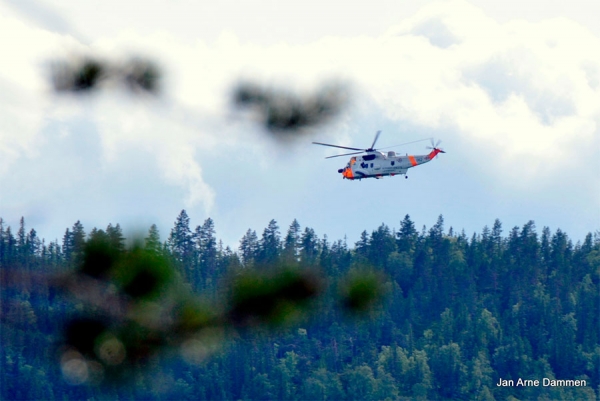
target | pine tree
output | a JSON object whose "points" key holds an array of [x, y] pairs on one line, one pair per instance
{"points": [[78, 237], [230, 260], [21, 239], [496, 240], [362, 246], [98, 235], [249, 248], [8, 246], [309, 247], [560, 265], [407, 236], [341, 257], [381, 245], [73, 242], [54, 254], [67, 245], [437, 231], [152, 241], [291, 243], [2, 243], [33, 245], [206, 246], [270, 244], [180, 240], [325, 257], [115, 236]]}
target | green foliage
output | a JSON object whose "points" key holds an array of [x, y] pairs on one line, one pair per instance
{"points": [[188, 319], [272, 297], [361, 289], [143, 275]]}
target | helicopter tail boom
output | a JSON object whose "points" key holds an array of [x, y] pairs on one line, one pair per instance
{"points": [[434, 153]]}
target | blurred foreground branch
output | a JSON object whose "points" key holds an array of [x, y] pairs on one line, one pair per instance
{"points": [[136, 306], [285, 112], [281, 113], [85, 74]]}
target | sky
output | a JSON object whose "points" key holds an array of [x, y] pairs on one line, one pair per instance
{"points": [[512, 89]]}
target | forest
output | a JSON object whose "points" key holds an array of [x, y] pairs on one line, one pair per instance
{"points": [[456, 316]]}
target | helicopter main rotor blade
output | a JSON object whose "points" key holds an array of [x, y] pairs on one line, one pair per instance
{"points": [[336, 146], [345, 154], [375, 140], [406, 143]]}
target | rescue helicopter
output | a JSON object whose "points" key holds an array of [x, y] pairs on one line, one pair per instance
{"points": [[376, 164]]}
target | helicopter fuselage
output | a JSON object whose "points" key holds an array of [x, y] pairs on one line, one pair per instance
{"points": [[378, 164]]}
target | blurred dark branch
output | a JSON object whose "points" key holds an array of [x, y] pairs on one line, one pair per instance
{"points": [[86, 74], [135, 306], [283, 112]]}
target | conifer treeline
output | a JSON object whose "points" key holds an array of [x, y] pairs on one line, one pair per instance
{"points": [[459, 314]]}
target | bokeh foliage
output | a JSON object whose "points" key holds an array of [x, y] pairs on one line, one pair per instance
{"points": [[136, 305]]}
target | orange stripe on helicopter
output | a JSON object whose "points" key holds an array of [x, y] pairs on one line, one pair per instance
{"points": [[412, 160]]}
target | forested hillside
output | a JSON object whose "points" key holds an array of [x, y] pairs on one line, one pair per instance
{"points": [[458, 314]]}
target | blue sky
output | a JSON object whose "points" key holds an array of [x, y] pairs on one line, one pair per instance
{"points": [[512, 91]]}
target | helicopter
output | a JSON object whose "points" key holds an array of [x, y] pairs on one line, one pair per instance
{"points": [[376, 164]]}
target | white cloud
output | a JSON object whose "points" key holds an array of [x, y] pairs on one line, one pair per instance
{"points": [[26, 50], [126, 125], [518, 86], [521, 97], [28, 106]]}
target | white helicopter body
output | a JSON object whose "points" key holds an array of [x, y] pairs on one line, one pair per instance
{"points": [[376, 164]]}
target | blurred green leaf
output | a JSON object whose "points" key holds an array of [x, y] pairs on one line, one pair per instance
{"points": [[361, 289], [271, 297]]}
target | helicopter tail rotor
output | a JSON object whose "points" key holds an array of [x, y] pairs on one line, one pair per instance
{"points": [[434, 146], [435, 149]]}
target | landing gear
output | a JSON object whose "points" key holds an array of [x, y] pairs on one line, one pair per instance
{"points": [[405, 177]]}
